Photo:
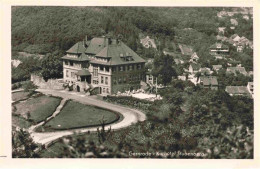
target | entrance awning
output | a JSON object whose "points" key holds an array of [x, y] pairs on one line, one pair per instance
{"points": [[83, 73]]}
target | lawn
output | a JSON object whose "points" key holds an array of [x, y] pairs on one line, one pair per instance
{"points": [[77, 115], [19, 96], [39, 107]]}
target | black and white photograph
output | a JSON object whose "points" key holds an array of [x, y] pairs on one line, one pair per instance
{"points": [[132, 82]]}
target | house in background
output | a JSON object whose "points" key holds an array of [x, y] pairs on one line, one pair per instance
{"points": [[219, 50], [239, 69], [237, 91], [216, 67], [194, 57], [205, 71], [103, 63], [209, 82], [185, 50], [147, 42], [234, 22]]}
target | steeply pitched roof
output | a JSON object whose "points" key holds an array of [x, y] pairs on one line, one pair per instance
{"points": [[209, 80], [237, 90], [195, 67], [77, 48], [95, 46], [117, 52]]}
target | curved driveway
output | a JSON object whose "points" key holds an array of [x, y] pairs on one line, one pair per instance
{"points": [[131, 116]]}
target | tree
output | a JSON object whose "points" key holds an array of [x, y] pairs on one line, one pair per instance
{"points": [[23, 145], [51, 67], [163, 68]]}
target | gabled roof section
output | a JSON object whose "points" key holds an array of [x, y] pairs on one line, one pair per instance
{"points": [[116, 51], [241, 70], [95, 46], [77, 48], [195, 66], [237, 90], [209, 80]]}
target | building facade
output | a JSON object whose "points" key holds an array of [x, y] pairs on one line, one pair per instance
{"points": [[103, 63]]}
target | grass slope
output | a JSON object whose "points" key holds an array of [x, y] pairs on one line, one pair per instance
{"points": [[76, 115], [39, 107]]}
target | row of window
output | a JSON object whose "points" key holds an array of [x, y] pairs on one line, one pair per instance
{"points": [[127, 68], [124, 79]]}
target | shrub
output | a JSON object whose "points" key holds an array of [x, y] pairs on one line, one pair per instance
{"points": [[29, 86]]}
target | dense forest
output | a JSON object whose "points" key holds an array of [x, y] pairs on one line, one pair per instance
{"points": [[46, 29]]}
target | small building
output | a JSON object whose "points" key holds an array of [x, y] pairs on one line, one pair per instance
{"points": [[194, 57], [234, 22], [178, 61], [183, 78], [209, 82], [237, 91], [239, 69], [147, 42], [219, 49], [185, 50], [221, 30], [217, 67], [194, 68], [205, 71]]}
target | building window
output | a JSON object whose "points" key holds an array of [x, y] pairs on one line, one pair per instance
{"points": [[67, 73], [130, 67], [121, 68], [106, 80], [114, 80], [113, 69], [139, 66], [95, 71], [102, 79], [107, 69], [71, 63], [107, 90], [66, 62], [124, 79], [95, 81], [104, 90], [130, 78], [73, 74], [101, 68], [119, 80]]}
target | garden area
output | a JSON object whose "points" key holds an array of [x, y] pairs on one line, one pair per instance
{"points": [[33, 110], [19, 96], [76, 115]]}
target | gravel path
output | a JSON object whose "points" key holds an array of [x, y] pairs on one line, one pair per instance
{"points": [[131, 116]]}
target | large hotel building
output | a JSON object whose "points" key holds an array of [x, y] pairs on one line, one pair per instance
{"points": [[105, 64]]}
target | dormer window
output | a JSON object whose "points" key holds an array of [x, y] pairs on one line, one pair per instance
{"points": [[126, 57]]}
